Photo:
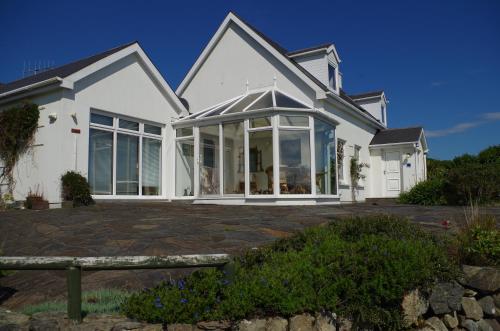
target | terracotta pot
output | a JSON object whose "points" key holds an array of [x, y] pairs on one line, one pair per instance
{"points": [[39, 204]]}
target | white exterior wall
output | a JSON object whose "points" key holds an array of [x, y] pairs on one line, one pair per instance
{"points": [[123, 88], [236, 59], [316, 64], [354, 133], [412, 167], [39, 168], [374, 107]]}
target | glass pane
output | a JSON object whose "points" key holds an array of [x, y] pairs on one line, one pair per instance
{"points": [[244, 103], [209, 160], [101, 162], [260, 122], [184, 168], [222, 108], [261, 162], [265, 102], [129, 125], [151, 166], [127, 165], [324, 139], [295, 162], [184, 132], [152, 129], [234, 159], [294, 120], [287, 102], [101, 119]]}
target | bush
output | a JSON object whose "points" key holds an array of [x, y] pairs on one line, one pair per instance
{"points": [[76, 188], [478, 242], [359, 268], [472, 182], [427, 193], [463, 180]]}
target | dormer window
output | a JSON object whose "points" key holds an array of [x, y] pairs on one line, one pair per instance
{"points": [[332, 77]]}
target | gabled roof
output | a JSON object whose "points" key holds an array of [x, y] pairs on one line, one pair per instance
{"points": [[66, 75], [327, 48], [397, 136], [283, 56], [367, 95], [62, 71]]}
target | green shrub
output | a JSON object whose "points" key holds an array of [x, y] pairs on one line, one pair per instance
{"points": [[478, 241], [76, 188], [472, 182], [427, 193], [358, 268]]}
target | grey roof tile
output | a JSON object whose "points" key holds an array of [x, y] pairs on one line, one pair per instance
{"points": [[393, 136], [62, 71]]}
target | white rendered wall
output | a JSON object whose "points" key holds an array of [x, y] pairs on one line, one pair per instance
{"points": [[39, 168], [316, 64], [412, 168], [374, 107], [123, 88], [236, 59]]}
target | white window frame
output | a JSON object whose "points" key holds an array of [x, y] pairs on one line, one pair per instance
{"points": [[195, 158], [115, 129]]}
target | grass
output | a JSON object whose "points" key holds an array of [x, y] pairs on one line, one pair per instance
{"points": [[103, 301]]}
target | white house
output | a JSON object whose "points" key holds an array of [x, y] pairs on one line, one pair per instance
{"points": [[250, 123]]}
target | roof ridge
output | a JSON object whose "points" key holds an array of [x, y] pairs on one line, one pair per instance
{"points": [[367, 94]]}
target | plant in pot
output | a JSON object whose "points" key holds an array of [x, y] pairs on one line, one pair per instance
{"points": [[36, 201], [75, 190]]}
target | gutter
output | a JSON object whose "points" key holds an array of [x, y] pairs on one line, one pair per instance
{"points": [[32, 86]]}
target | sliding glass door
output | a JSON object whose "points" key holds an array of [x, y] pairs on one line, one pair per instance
{"points": [[151, 166], [127, 165]]}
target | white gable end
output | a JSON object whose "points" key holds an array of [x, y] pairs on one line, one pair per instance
{"points": [[238, 62]]}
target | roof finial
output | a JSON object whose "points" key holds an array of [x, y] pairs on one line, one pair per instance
{"points": [[275, 80]]}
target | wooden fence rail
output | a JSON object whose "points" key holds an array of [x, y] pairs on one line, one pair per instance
{"points": [[75, 265]]}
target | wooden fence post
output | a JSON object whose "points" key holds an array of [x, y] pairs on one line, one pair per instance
{"points": [[74, 277]]}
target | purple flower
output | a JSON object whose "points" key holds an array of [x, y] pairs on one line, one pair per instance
{"points": [[184, 300], [158, 303], [181, 284], [225, 282]]}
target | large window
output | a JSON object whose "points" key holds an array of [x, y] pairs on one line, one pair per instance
{"points": [[184, 162], [124, 156], [127, 165], [234, 158], [326, 178], [261, 162], [332, 77], [101, 162], [151, 166], [295, 155], [209, 160]]}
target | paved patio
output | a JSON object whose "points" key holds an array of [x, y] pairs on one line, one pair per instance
{"points": [[161, 228]]}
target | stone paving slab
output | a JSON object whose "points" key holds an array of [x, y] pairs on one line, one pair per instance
{"points": [[161, 228]]}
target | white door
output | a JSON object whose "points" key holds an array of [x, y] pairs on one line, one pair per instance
{"points": [[392, 174]]}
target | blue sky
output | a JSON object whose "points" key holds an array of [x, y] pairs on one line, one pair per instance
{"points": [[438, 61]]}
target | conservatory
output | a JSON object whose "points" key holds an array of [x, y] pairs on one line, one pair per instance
{"points": [[263, 146]]}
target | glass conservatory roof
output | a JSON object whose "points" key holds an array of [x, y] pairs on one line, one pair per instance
{"points": [[268, 99]]}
